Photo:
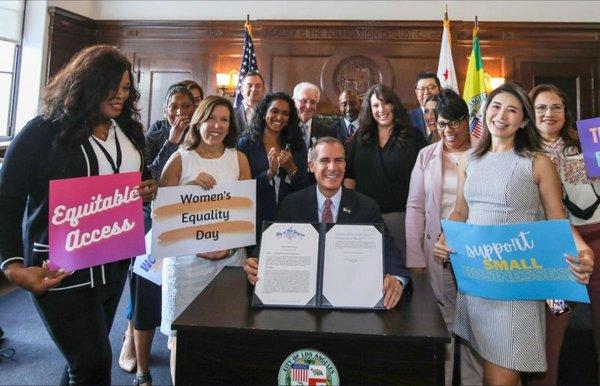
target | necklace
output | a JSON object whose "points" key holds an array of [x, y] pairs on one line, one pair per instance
{"points": [[211, 152], [101, 132]]}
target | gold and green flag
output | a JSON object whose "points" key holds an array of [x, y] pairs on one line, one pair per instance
{"points": [[475, 91]]}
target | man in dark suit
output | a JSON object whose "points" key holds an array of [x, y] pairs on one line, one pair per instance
{"points": [[349, 104], [329, 202], [252, 90], [306, 97], [427, 85]]}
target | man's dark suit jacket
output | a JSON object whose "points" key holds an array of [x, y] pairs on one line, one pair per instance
{"points": [[355, 208], [340, 130], [418, 121], [318, 129], [240, 119]]}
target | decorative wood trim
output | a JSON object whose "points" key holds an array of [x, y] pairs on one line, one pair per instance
{"points": [[388, 31], [399, 46]]}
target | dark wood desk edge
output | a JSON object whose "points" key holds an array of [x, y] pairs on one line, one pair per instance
{"points": [[338, 335], [420, 280]]}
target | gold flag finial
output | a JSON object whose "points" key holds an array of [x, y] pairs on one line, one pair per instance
{"points": [[248, 26]]}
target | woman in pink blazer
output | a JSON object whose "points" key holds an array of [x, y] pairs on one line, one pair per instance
{"points": [[431, 198]]}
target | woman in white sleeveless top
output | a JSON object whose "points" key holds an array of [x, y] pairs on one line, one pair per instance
{"points": [[505, 180], [208, 157]]}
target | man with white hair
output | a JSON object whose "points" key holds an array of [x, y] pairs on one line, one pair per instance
{"points": [[306, 97]]}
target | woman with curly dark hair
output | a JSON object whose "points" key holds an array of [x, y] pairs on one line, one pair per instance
{"points": [[381, 156], [276, 153], [88, 126]]}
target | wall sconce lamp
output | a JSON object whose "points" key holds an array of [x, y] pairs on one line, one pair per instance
{"points": [[492, 82], [227, 83]]}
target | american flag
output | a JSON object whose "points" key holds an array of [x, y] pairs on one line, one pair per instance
{"points": [[476, 124], [299, 373], [249, 63]]}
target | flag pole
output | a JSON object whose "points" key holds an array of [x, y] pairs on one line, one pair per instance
{"points": [[445, 11], [248, 26]]}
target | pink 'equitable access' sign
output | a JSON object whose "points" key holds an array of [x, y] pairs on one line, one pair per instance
{"points": [[95, 220]]}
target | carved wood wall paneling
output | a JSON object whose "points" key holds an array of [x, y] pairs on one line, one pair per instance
{"points": [[68, 33], [290, 51], [575, 75], [156, 75]]}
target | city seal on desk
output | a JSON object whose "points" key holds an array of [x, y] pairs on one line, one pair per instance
{"points": [[308, 367]]}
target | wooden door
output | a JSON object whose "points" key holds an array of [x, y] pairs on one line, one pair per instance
{"points": [[575, 76], [156, 74]]}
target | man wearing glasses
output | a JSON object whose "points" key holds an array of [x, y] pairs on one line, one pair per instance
{"points": [[427, 85], [306, 97]]}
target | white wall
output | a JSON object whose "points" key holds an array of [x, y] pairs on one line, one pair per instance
{"points": [[550, 11], [33, 61]]}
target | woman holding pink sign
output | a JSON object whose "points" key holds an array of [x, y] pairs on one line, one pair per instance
{"points": [[580, 198], [88, 126], [207, 158]]}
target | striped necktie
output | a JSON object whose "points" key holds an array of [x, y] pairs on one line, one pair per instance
{"points": [[304, 128], [351, 129], [327, 216]]}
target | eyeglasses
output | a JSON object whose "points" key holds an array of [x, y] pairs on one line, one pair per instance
{"points": [[556, 108], [431, 88], [305, 101], [442, 126]]}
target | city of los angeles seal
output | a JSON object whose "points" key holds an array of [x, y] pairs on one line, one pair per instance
{"points": [[308, 367]]}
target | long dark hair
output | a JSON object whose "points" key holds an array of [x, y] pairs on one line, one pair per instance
{"points": [[73, 96], [203, 112], [568, 133], [528, 140], [290, 133], [401, 130]]}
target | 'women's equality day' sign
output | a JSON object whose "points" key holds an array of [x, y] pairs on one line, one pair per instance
{"points": [[188, 219], [514, 262], [95, 220]]}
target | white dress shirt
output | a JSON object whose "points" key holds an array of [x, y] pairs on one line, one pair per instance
{"points": [[335, 203], [353, 123]]}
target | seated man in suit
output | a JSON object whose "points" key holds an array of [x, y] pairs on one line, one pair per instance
{"points": [[329, 202], [252, 89], [306, 97], [349, 104], [428, 84]]}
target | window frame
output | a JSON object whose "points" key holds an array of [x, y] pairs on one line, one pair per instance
{"points": [[13, 97]]}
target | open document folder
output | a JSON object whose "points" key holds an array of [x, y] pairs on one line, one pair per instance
{"points": [[320, 266]]}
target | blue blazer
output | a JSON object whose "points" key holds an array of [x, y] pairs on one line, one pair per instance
{"points": [[266, 204], [240, 120], [340, 130], [417, 120]]}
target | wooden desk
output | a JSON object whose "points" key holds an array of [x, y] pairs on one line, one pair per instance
{"points": [[222, 340]]}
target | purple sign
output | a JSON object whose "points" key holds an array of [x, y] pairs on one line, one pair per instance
{"points": [[95, 220], [589, 135]]}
